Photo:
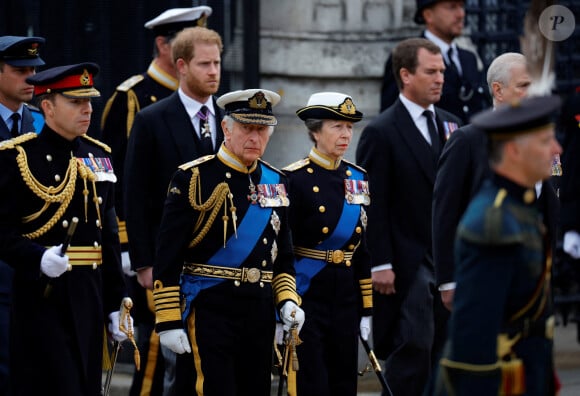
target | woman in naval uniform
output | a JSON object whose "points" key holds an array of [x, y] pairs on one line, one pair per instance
{"points": [[333, 271]]}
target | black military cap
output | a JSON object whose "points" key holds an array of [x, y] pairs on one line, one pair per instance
{"points": [[250, 106], [20, 51], [73, 81], [172, 21], [330, 106], [519, 117]]}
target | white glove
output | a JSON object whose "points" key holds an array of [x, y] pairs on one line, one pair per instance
{"points": [[126, 264], [365, 327], [279, 334], [286, 312], [114, 329], [176, 340], [572, 244], [52, 264]]}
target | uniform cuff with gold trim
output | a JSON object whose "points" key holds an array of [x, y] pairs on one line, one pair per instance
{"points": [[366, 289], [284, 288], [167, 306]]}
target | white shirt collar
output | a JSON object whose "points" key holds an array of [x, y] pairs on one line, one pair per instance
{"points": [[192, 106], [414, 109]]}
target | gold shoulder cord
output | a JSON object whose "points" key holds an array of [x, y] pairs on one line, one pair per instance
{"points": [[61, 194], [217, 199]]}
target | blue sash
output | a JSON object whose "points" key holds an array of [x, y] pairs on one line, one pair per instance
{"points": [[307, 268], [237, 249]]}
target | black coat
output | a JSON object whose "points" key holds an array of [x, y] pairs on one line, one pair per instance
{"points": [[401, 169], [57, 340], [162, 138], [462, 168], [471, 81], [130, 97]]}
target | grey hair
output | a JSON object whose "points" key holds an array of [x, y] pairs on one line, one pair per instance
{"points": [[500, 70], [230, 124]]}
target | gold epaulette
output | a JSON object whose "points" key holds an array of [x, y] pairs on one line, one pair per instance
{"points": [[130, 83], [271, 167], [11, 143], [195, 162], [98, 143], [297, 165], [354, 166]]}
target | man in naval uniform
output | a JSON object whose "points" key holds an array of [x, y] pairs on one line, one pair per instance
{"points": [[501, 326], [62, 298], [131, 96], [224, 261]]}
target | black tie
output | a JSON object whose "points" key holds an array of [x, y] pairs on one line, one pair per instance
{"points": [[15, 118], [204, 131], [435, 141], [452, 63]]}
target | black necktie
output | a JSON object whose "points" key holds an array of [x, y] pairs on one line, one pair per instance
{"points": [[435, 141], [452, 63], [205, 133], [15, 118]]}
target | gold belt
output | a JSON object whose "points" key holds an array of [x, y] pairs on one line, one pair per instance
{"points": [[330, 256], [239, 275], [84, 256]]}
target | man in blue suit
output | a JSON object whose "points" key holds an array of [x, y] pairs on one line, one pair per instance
{"points": [[19, 57]]}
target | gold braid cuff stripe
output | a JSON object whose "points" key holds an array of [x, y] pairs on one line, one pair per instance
{"points": [[167, 307], [284, 287]]}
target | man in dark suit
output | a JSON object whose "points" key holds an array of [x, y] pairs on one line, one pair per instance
{"points": [[19, 57], [464, 92], [463, 166], [166, 134], [400, 149], [131, 96]]}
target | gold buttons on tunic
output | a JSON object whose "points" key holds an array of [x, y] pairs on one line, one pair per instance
{"points": [[325, 230], [529, 196], [228, 175], [358, 230], [315, 189], [347, 263], [321, 209], [48, 157], [57, 178], [309, 170], [264, 263], [350, 247], [65, 224], [265, 241], [237, 283], [348, 173], [96, 244]]}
